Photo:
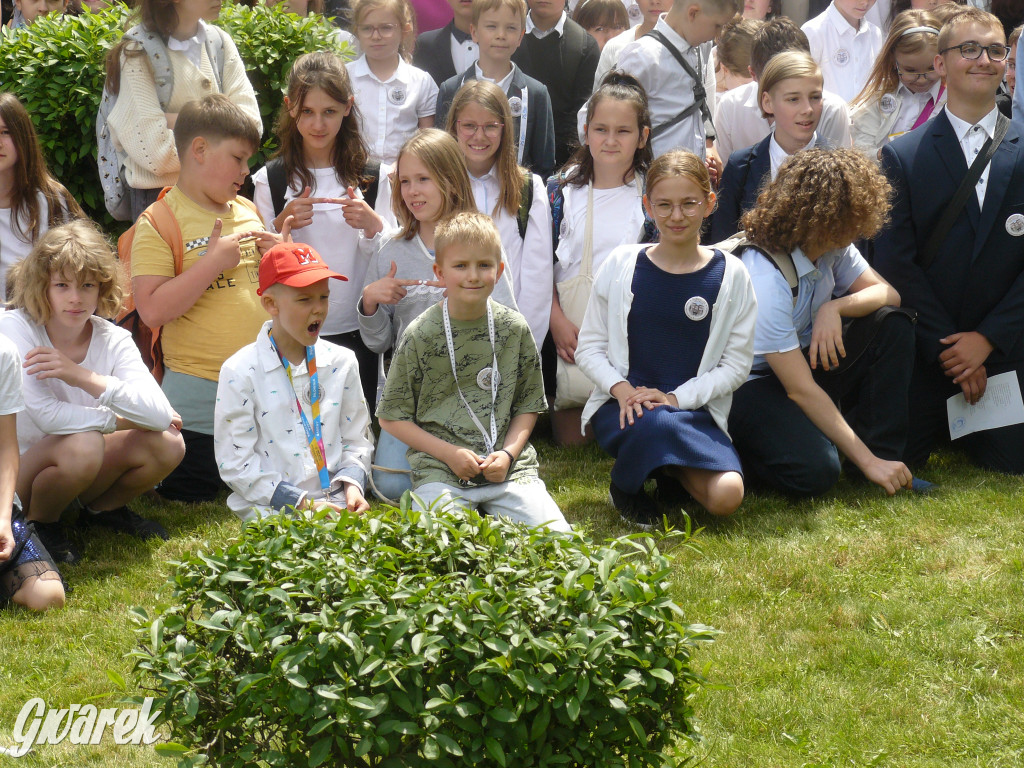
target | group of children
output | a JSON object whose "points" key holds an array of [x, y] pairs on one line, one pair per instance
{"points": [[483, 280]]}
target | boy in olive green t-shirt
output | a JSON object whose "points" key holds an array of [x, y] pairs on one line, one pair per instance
{"points": [[467, 433]]}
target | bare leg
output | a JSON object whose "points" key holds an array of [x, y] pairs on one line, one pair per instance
{"points": [[133, 462], [565, 427], [720, 493], [41, 593], [56, 470]]}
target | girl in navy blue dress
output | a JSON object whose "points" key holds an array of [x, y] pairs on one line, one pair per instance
{"points": [[667, 337]]}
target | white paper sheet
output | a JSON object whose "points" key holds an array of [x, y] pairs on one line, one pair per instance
{"points": [[1000, 406]]}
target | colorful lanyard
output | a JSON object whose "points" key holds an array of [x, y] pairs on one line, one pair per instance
{"points": [[492, 438], [314, 434]]}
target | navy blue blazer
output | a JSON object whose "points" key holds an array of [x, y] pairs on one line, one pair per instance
{"points": [[433, 53], [745, 173], [976, 282], [539, 153]]}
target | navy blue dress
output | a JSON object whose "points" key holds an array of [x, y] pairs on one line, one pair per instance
{"points": [[29, 559], [665, 348]]}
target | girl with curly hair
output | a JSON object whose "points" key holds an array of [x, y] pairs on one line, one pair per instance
{"points": [[97, 430], [829, 331]]}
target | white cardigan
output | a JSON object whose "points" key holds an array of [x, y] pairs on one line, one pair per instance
{"points": [[871, 126], [603, 349]]}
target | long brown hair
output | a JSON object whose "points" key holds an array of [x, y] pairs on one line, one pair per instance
{"points": [[510, 176], [326, 71], [32, 177], [441, 154], [884, 78]]}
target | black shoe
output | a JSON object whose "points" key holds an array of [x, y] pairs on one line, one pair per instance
{"points": [[670, 492], [54, 537], [636, 509], [123, 520]]}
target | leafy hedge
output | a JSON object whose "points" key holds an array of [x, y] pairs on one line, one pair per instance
{"points": [[56, 68], [422, 639]]}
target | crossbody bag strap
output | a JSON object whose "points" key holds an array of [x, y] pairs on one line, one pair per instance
{"points": [[700, 95], [966, 189]]}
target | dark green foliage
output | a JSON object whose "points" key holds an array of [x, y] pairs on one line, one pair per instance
{"points": [[412, 639], [56, 68]]}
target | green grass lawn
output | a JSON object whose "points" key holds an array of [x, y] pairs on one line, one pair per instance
{"points": [[857, 629]]}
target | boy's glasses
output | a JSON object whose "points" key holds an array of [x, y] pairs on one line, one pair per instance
{"points": [[663, 208], [972, 50], [468, 129], [383, 30], [913, 77]]}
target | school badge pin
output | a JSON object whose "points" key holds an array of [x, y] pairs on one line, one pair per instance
{"points": [[841, 57], [888, 104], [397, 95], [515, 106], [696, 308], [635, 12], [483, 379], [1015, 225]]}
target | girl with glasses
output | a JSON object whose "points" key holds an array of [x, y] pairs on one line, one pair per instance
{"points": [[903, 90]]}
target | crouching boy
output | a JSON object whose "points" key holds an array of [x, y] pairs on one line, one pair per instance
{"points": [[467, 427], [291, 425]]}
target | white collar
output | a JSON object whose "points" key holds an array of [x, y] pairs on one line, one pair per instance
{"points": [[961, 127], [841, 25], [361, 68], [778, 155], [933, 92], [504, 83], [674, 37], [490, 176], [191, 43], [559, 28]]}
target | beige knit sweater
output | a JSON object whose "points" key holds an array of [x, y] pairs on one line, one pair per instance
{"points": [[138, 124]]}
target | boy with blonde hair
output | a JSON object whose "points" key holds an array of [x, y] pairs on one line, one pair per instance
{"points": [[465, 387]]}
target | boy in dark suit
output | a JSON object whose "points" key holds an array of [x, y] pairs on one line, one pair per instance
{"points": [[561, 54], [447, 51], [969, 292]]}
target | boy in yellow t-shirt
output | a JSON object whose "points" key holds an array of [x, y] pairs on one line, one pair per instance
{"points": [[210, 310]]}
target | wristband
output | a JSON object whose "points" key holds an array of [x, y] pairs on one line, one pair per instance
{"points": [[511, 458]]}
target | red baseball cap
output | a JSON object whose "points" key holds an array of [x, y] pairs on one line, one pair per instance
{"points": [[294, 264]]}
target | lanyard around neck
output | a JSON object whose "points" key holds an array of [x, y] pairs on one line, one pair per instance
{"points": [[490, 439], [314, 433]]}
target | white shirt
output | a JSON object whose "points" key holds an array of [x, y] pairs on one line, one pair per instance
{"points": [[540, 34], [618, 220], [15, 240], [192, 47], [53, 407], [777, 155], [669, 88], [390, 109], [878, 14], [464, 54], [972, 138], [11, 400], [845, 55], [343, 248], [504, 83], [911, 105], [258, 435], [528, 259], [739, 122]]}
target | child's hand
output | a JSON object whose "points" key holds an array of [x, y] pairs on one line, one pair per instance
{"points": [[389, 290], [300, 209], [227, 251], [889, 475], [359, 215], [176, 421], [565, 334], [354, 499], [974, 385], [464, 463], [50, 363], [6, 540], [964, 354], [496, 466], [714, 164], [624, 392], [267, 240], [651, 398], [827, 338]]}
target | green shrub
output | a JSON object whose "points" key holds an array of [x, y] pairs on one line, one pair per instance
{"points": [[56, 68], [423, 639]]}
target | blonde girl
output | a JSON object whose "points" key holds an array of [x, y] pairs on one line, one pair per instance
{"points": [[597, 205], [481, 121], [317, 177], [429, 183], [790, 93], [31, 199], [96, 428], [903, 90], [668, 336], [395, 98]]}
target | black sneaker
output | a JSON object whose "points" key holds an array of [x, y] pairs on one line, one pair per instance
{"points": [[123, 520], [636, 509], [54, 537]]}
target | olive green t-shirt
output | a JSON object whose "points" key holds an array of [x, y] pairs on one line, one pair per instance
{"points": [[420, 387]]}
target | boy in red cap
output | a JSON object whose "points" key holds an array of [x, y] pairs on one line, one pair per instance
{"points": [[291, 425]]}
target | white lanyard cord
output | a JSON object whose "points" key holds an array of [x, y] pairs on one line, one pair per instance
{"points": [[489, 439]]}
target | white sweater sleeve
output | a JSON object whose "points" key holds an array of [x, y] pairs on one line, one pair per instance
{"points": [[592, 347], [132, 393], [236, 85], [536, 272]]}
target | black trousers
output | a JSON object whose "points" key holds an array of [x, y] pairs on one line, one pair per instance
{"points": [[779, 445], [367, 360], [196, 478]]}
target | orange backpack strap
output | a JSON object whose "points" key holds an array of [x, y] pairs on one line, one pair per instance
{"points": [[162, 218]]}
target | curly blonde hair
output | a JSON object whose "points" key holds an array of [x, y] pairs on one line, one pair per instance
{"points": [[822, 199], [76, 250]]}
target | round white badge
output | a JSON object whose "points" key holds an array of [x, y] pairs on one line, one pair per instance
{"points": [[483, 379], [515, 106], [634, 11], [397, 95], [888, 103], [841, 57], [1015, 224], [696, 308]]}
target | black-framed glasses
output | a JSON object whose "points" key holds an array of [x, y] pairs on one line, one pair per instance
{"points": [[913, 77], [972, 50]]}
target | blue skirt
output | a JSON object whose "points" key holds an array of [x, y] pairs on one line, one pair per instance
{"points": [[663, 437], [29, 559]]}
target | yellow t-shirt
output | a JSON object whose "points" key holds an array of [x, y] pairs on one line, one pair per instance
{"points": [[228, 315]]}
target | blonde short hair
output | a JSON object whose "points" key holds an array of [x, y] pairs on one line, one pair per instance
{"points": [[77, 250], [471, 229], [783, 66], [518, 7]]}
